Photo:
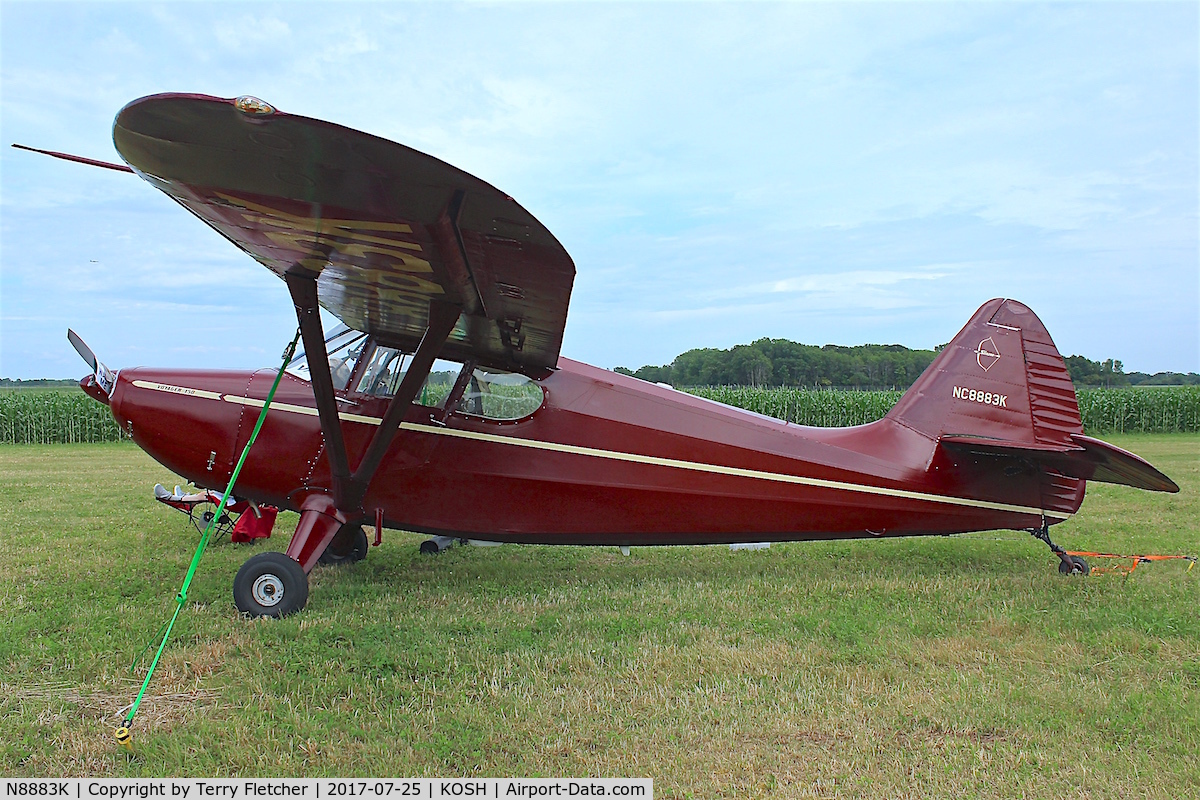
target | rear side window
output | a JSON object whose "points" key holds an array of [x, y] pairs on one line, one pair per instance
{"points": [[500, 395]]}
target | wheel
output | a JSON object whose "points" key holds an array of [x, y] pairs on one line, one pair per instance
{"points": [[349, 545], [203, 513], [431, 547], [270, 585], [1073, 565]]}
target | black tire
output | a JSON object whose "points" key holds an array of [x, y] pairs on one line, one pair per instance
{"points": [[1073, 565], [429, 547], [348, 546], [270, 585]]}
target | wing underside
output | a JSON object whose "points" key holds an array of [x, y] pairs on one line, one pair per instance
{"points": [[386, 229]]}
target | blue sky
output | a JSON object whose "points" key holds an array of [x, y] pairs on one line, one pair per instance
{"points": [[844, 173]]}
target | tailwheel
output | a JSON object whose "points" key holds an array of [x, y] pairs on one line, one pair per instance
{"points": [[1077, 566], [1067, 563], [270, 585], [348, 546]]}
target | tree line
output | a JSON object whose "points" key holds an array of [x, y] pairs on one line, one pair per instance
{"points": [[36, 383], [780, 362], [1110, 372]]}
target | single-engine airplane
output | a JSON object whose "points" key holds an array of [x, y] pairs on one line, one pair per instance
{"points": [[421, 261]]}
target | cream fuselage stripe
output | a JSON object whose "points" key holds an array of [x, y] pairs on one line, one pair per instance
{"points": [[615, 455], [182, 390], [306, 410]]}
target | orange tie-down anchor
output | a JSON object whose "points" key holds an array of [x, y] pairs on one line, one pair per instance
{"points": [[1134, 559]]}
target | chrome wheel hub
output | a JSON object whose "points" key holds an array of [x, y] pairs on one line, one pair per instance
{"points": [[267, 590]]}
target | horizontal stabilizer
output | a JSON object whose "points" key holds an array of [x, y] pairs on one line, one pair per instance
{"points": [[1086, 458], [1114, 465]]}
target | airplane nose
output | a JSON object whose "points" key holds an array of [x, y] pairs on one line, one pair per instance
{"points": [[92, 388]]}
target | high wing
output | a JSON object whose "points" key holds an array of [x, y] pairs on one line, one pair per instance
{"points": [[385, 228]]}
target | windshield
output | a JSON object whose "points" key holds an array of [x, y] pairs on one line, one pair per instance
{"points": [[488, 393], [344, 346]]}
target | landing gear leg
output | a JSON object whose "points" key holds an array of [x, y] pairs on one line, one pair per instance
{"points": [[319, 523], [276, 584], [1067, 564]]}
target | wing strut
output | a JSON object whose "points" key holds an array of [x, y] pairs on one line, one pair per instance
{"points": [[442, 318], [350, 488], [304, 295]]}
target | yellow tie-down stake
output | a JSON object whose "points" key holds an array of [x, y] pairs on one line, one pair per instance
{"points": [[124, 737]]}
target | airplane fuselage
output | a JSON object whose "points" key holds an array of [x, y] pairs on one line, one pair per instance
{"points": [[605, 460]]}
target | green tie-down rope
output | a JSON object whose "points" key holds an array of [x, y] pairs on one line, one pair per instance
{"points": [[122, 734]]}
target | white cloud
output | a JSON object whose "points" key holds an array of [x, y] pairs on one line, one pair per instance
{"points": [[250, 32]]}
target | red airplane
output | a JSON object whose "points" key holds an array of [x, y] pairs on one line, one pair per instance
{"points": [[421, 261]]}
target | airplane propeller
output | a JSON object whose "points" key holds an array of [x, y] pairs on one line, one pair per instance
{"points": [[105, 377]]}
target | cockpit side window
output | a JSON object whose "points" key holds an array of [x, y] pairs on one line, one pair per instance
{"points": [[497, 395], [362, 366], [383, 370]]}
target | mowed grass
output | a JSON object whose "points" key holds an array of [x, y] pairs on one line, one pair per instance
{"points": [[960, 666]]}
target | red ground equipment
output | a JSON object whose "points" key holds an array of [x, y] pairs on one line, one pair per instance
{"points": [[235, 521]]}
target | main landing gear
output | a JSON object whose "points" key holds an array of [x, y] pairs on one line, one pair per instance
{"points": [[270, 585], [1067, 563], [276, 584], [431, 547]]}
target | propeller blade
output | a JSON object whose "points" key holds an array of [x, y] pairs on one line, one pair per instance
{"points": [[105, 377], [81, 347]]}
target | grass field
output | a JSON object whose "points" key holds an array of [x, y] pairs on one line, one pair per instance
{"points": [[962, 666]]}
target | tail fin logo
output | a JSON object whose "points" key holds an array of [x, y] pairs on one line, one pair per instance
{"points": [[987, 354]]}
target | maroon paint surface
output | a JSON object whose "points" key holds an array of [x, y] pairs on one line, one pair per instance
{"points": [[433, 482], [387, 227]]}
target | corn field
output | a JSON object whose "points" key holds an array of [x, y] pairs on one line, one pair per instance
{"points": [[54, 416], [1151, 409], [30, 416], [820, 408]]}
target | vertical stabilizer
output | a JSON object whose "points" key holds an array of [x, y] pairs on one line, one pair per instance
{"points": [[1001, 377]]}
